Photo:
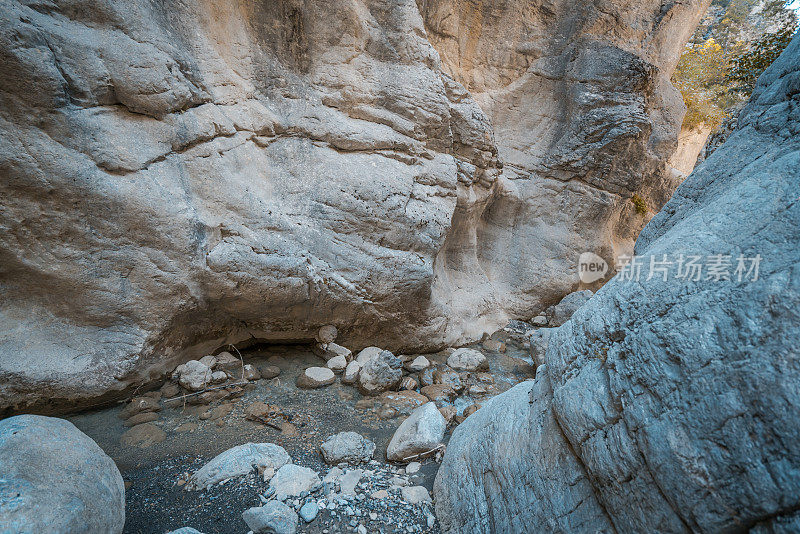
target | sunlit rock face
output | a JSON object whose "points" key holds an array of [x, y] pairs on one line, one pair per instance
{"points": [[584, 118], [667, 403], [179, 176]]}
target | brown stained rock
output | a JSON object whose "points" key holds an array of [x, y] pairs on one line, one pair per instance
{"points": [[448, 412], [139, 405], [145, 417], [187, 427], [408, 383], [143, 436], [450, 378], [439, 393], [170, 390], [269, 371]]}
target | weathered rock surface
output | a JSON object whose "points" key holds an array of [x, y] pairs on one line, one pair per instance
{"points": [[561, 312], [421, 432], [194, 375], [56, 479], [316, 377], [291, 480], [239, 461], [380, 373], [467, 360], [205, 174], [584, 117], [348, 447], [273, 518], [666, 404]]}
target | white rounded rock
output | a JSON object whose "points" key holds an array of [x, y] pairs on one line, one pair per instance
{"points": [[351, 372], [467, 360], [337, 364], [418, 364], [194, 375], [291, 480], [315, 377]]}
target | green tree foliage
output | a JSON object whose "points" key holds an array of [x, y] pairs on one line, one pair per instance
{"points": [[730, 50], [748, 66]]}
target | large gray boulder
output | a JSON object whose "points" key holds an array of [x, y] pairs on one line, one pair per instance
{"points": [[54, 478], [667, 403], [206, 175], [238, 461]]}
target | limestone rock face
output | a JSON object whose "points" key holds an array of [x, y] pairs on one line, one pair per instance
{"points": [[179, 176], [182, 176], [584, 118], [668, 404]]}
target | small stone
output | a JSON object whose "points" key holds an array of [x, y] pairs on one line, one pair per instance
{"points": [[448, 377], [138, 419], [327, 334], [194, 375], [494, 345], [291, 480], [349, 480], [270, 371], [439, 393], [380, 495], [484, 378], [539, 320], [416, 495], [380, 373], [309, 511], [274, 517], [227, 361], [315, 377], [186, 427], [251, 373], [418, 364], [408, 384], [351, 372], [170, 390], [332, 350], [221, 411], [209, 361], [361, 529], [218, 377], [413, 467], [477, 390], [185, 530], [143, 436], [347, 447], [337, 364], [448, 412], [468, 360], [469, 410], [426, 376]]}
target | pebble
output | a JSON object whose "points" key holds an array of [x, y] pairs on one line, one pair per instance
{"points": [[413, 467], [315, 377], [309, 511]]}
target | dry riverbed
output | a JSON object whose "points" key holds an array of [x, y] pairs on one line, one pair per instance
{"points": [[157, 459]]}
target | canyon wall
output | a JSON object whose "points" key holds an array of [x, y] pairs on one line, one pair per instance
{"points": [[179, 177], [669, 401]]}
